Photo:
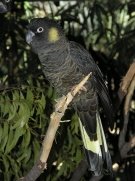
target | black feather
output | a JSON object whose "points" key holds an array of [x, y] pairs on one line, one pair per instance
{"points": [[65, 63]]}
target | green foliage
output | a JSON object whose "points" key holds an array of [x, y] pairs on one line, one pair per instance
{"points": [[23, 121], [21, 113]]}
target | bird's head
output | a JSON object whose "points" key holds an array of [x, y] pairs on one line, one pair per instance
{"points": [[4, 5], [43, 32]]}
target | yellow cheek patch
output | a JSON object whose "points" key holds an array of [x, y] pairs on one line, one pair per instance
{"points": [[53, 35]]}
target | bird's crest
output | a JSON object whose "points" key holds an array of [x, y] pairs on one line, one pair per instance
{"points": [[53, 35]]}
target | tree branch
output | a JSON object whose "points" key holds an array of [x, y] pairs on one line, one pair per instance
{"points": [[125, 147], [125, 83], [126, 113], [56, 116]]}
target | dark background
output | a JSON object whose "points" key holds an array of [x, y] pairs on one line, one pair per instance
{"points": [[107, 30]]}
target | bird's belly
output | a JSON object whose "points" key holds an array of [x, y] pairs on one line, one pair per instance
{"points": [[62, 78], [64, 84]]}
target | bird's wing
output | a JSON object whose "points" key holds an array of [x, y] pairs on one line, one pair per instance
{"points": [[86, 64], [95, 145]]}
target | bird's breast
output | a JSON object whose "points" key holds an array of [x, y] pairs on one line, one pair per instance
{"points": [[61, 71]]}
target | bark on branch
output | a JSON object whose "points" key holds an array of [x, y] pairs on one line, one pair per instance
{"points": [[56, 116]]}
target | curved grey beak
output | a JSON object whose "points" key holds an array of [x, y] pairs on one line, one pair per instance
{"points": [[3, 8], [29, 36]]}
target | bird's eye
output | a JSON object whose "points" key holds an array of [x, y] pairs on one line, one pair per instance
{"points": [[7, 1], [40, 30]]}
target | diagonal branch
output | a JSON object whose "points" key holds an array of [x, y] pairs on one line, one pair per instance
{"points": [[56, 116]]}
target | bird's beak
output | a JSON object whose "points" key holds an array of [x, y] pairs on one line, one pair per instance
{"points": [[3, 8], [29, 36]]}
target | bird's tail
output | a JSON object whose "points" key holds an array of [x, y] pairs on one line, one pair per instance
{"points": [[97, 154]]}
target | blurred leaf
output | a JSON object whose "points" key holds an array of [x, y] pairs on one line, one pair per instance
{"points": [[4, 136], [23, 114], [12, 142], [36, 148]]}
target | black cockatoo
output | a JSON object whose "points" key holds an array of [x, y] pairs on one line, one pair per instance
{"points": [[64, 64], [5, 6]]}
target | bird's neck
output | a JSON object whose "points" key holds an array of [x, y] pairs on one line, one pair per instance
{"points": [[49, 48]]}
